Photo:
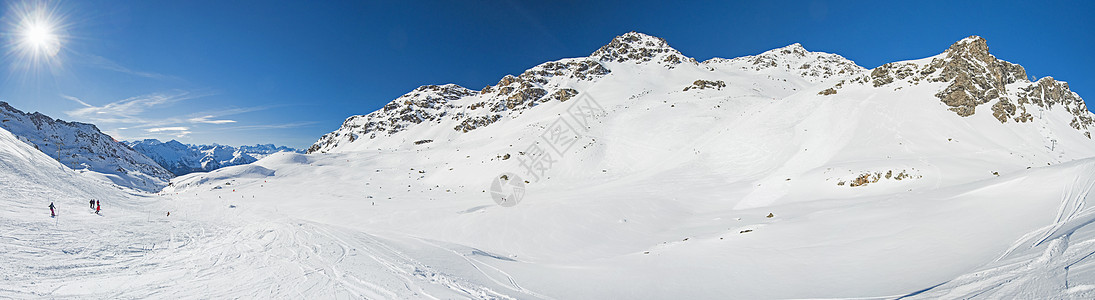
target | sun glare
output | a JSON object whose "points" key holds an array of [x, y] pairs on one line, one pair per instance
{"points": [[36, 35], [41, 39]]}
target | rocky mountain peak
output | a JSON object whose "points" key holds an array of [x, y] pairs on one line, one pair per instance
{"points": [[640, 48], [975, 77], [971, 55], [795, 49], [973, 46]]}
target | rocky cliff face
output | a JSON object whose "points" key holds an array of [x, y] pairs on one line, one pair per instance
{"points": [[82, 146]]}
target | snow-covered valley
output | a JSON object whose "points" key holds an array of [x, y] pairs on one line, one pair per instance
{"points": [[790, 174]]}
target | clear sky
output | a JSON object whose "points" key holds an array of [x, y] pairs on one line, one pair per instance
{"points": [[286, 72]]}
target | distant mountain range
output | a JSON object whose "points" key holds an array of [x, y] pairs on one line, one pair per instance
{"points": [[182, 159], [146, 165]]}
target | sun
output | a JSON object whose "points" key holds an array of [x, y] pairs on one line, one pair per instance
{"points": [[35, 34], [39, 37]]}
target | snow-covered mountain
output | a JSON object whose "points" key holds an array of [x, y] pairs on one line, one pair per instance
{"points": [[638, 160], [83, 147], [182, 159], [976, 78], [635, 173]]}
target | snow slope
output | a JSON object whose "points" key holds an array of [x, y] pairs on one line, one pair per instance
{"points": [[83, 147], [669, 235], [135, 250], [182, 159]]}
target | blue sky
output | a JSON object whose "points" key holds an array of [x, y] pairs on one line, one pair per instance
{"points": [[246, 72]]}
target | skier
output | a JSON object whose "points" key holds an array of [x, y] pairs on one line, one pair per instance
{"points": [[51, 213], [98, 206], [92, 204]]}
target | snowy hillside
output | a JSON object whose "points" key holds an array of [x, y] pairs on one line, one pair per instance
{"points": [[83, 147], [147, 246], [182, 159]]}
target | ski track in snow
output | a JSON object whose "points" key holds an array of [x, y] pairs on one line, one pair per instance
{"points": [[186, 258], [1041, 262], [510, 281]]}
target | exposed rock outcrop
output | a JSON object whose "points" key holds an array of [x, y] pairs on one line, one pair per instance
{"points": [[580, 69], [564, 94], [1047, 92], [700, 84]]}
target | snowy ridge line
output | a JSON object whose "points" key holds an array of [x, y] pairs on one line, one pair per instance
{"points": [[82, 147], [461, 111]]}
